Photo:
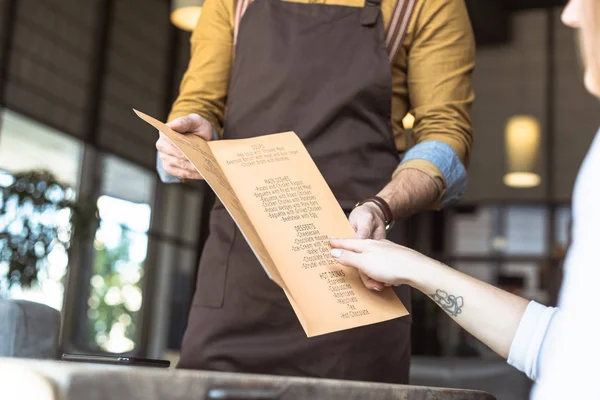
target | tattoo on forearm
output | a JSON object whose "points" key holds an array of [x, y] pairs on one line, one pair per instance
{"points": [[449, 303]]}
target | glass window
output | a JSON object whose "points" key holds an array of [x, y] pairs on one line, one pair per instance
{"points": [[525, 230], [473, 231], [39, 176], [121, 244], [523, 279], [26, 145]]}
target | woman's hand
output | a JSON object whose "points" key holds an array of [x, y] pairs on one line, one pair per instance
{"points": [[486, 312], [382, 260], [368, 222]]}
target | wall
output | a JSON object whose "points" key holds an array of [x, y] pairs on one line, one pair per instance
{"points": [[51, 61]]}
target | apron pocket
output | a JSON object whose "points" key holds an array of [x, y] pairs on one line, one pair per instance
{"points": [[212, 272]]}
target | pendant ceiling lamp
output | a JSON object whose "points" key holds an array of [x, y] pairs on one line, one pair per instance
{"points": [[185, 13], [522, 140]]}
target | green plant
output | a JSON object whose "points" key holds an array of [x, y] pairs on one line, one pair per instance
{"points": [[110, 310], [38, 213]]}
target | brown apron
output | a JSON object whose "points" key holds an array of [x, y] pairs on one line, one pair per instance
{"points": [[323, 72]]}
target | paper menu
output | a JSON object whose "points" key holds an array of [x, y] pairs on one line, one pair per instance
{"points": [[284, 208]]}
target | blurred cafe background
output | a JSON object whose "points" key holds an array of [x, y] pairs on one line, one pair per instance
{"points": [[74, 156]]}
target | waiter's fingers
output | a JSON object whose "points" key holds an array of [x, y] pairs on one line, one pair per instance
{"points": [[363, 231], [371, 283], [182, 173], [165, 146], [180, 163], [193, 124], [379, 233], [186, 123]]}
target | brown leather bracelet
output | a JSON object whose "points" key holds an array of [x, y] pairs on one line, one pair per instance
{"points": [[385, 208]]}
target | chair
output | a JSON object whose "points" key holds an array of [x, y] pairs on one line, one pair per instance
{"points": [[28, 330]]}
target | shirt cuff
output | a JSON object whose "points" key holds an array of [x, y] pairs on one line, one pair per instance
{"points": [[164, 177], [428, 169], [167, 178], [525, 349], [452, 170]]}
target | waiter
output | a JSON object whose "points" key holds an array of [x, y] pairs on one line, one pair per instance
{"points": [[342, 75]]}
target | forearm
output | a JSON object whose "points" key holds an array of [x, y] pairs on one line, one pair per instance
{"points": [[490, 314], [409, 192], [204, 86]]}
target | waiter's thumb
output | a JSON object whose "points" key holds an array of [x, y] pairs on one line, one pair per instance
{"points": [[363, 232], [192, 124]]}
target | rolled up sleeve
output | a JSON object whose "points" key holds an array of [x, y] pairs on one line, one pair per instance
{"points": [[441, 60], [526, 346], [203, 89], [438, 160]]}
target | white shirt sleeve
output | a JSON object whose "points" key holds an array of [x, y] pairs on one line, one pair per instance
{"points": [[525, 349], [570, 355]]}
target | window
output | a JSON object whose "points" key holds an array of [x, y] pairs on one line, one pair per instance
{"points": [[510, 230], [507, 246], [178, 237], [44, 166], [26, 145], [174, 245], [523, 279], [473, 231], [121, 243], [525, 230]]}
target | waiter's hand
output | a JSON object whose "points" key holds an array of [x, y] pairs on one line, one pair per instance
{"points": [[369, 223], [173, 161]]}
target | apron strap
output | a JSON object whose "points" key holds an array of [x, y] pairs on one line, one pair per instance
{"points": [[370, 12], [403, 10], [396, 29], [240, 10]]}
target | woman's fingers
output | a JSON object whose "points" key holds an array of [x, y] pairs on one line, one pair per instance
{"points": [[347, 257], [351, 258], [355, 245]]}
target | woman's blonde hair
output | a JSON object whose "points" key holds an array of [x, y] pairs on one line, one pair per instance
{"points": [[590, 38]]}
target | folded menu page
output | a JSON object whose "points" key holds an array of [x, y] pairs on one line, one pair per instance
{"points": [[281, 203]]}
